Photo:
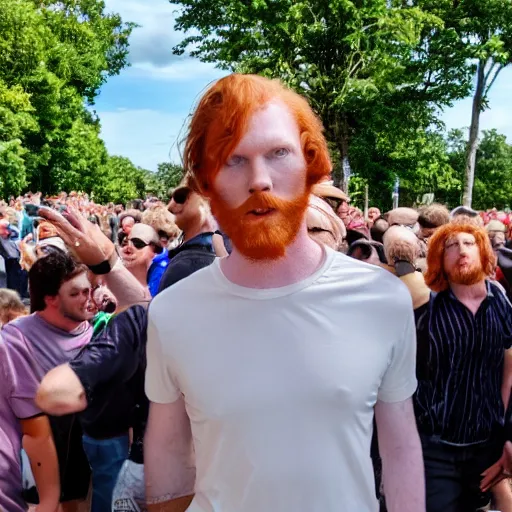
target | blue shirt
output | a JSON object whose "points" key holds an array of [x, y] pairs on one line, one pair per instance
{"points": [[157, 270]]}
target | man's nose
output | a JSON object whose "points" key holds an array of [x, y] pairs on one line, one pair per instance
{"points": [[260, 179]]}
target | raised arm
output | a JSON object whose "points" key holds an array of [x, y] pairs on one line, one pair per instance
{"points": [[168, 458], [402, 459]]}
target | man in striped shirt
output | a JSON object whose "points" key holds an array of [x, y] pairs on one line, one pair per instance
{"points": [[464, 332]]}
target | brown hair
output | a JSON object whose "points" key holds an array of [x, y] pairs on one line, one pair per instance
{"points": [[221, 119], [433, 216], [435, 276]]}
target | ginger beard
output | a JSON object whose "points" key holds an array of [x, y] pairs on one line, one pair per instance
{"points": [[265, 236], [466, 273]]}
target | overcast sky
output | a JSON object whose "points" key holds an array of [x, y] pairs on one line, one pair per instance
{"points": [[143, 110]]}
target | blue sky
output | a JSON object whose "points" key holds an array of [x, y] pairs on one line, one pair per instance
{"points": [[143, 110]]}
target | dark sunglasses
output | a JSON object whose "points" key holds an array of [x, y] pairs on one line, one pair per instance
{"points": [[136, 242], [180, 195]]}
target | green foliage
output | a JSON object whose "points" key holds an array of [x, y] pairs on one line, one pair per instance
{"points": [[54, 57], [169, 176]]}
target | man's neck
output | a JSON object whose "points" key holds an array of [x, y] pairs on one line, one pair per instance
{"points": [[193, 231], [59, 321], [470, 295], [303, 258]]}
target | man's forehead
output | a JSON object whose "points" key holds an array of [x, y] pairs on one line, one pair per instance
{"points": [[273, 124], [80, 281], [461, 236]]}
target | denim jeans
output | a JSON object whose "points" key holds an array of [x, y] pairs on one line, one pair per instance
{"points": [[106, 457], [452, 474]]}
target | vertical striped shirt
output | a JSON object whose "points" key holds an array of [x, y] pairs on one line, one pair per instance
{"points": [[460, 367]]}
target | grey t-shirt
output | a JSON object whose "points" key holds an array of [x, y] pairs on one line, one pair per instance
{"points": [[29, 348]]}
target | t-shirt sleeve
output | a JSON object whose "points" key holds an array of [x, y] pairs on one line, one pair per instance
{"points": [[161, 386], [114, 353], [19, 373], [399, 381]]}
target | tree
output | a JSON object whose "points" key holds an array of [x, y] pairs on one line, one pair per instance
{"points": [[120, 181], [356, 61], [169, 175], [493, 171], [58, 54], [475, 42]]}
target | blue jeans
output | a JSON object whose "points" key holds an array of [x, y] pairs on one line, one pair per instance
{"points": [[106, 457]]}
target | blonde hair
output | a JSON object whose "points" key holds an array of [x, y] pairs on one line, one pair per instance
{"points": [[11, 306], [160, 219]]}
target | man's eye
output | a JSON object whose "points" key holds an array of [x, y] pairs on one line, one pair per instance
{"points": [[281, 152], [234, 160]]}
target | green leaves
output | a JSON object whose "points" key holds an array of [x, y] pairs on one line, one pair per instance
{"points": [[54, 57]]}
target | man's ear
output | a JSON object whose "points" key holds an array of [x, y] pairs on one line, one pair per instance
{"points": [[51, 301]]}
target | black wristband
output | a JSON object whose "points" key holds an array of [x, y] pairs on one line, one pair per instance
{"points": [[105, 266], [403, 268]]}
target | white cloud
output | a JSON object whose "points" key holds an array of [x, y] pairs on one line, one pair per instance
{"points": [[147, 137]]}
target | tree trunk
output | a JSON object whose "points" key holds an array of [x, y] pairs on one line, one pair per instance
{"points": [[342, 137], [473, 135]]}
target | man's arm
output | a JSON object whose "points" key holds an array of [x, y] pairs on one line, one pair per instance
{"points": [[40, 448], [61, 392], [169, 467], [402, 459]]}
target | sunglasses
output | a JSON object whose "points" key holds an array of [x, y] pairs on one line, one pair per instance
{"points": [[136, 242], [180, 195]]}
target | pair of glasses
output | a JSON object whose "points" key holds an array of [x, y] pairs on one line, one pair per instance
{"points": [[136, 242], [180, 195]]}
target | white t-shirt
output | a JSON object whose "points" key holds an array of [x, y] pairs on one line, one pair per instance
{"points": [[280, 384]]}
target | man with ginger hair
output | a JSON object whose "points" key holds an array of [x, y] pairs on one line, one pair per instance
{"points": [[272, 392], [464, 336]]}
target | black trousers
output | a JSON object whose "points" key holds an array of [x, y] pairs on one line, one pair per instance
{"points": [[452, 474], [16, 277]]}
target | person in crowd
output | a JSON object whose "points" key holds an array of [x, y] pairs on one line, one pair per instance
{"points": [[162, 221], [11, 306], [379, 227], [138, 252], [464, 333], [402, 216], [497, 234], [32, 345], [430, 218], [19, 420], [343, 212], [402, 250], [323, 224], [465, 215], [106, 382], [200, 243], [128, 219], [289, 424], [373, 215], [368, 251], [103, 305], [16, 277]]}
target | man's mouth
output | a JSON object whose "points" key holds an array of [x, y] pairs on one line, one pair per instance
{"points": [[261, 212]]}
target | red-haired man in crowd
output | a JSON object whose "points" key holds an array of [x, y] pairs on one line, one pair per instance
{"points": [[265, 369], [464, 336]]}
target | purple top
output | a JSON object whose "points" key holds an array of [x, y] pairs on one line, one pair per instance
{"points": [[29, 348]]}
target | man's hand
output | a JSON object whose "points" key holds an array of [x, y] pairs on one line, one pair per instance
{"points": [[83, 238], [498, 471]]}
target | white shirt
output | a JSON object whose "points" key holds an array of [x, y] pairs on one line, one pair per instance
{"points": [[280, 384]]}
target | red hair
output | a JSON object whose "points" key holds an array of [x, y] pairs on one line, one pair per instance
{"points": [[221, 119], [435, 276]]}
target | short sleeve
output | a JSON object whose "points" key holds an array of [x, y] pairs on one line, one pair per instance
{"points": [[161, 387], [20, 375], [114, 353], [399, 381]]}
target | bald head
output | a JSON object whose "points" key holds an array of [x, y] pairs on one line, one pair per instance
{"points": [[401, 244], [323, 224]]}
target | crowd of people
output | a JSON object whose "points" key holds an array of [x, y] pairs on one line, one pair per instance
{"points": [[256, 343]]}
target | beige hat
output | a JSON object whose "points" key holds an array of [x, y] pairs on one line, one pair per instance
{"points": [[402, 216], [496, 225], [145, 233], [326, 189]]}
